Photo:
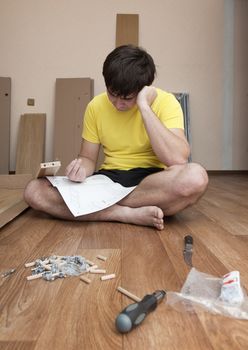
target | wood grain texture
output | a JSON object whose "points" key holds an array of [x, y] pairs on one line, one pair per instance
{"points": [[70, 314], [30, 143], [88, 310], [11, 196], [127, 29], [72, 97], [14, 181]]}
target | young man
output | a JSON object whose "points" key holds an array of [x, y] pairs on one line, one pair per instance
{"points": [[141, 131]]}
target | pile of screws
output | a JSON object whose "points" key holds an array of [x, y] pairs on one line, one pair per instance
{"points": [[52, 267]]}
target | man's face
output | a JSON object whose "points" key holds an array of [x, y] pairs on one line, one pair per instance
{"points": [[122, 104]]}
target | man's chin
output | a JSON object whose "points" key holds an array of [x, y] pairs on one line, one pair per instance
{"points": [[122, 109]]}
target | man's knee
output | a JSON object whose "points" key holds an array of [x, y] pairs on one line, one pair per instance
{"points": [[194, 180], [29, 192], [197, 178], [32, 192], [200, 177]]}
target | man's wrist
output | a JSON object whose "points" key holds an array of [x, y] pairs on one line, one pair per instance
{"points": [[144, 107]]}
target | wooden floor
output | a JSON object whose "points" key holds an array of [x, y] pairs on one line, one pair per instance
{"points": [[69, 314]]}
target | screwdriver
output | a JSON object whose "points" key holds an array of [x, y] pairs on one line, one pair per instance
{"points": [[134, 314]]}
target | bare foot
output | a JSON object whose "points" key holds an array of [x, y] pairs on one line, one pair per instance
{"points": [[145, 216]]}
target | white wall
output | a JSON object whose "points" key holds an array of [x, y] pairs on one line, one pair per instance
{"points": [[41, 40], [240, 87]]}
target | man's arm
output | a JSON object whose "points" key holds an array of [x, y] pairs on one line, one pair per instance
{"points": [[85, 164], [169, 145]]}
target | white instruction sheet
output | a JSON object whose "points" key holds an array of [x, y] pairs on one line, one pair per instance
{"points": [[95, 193]]}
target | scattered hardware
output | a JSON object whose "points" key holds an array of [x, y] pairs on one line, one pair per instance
{"points": [[134, 314], [188, 250], [50, 268], [8, 272]]}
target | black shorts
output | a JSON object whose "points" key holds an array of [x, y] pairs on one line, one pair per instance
{"points": [[128, 178]]}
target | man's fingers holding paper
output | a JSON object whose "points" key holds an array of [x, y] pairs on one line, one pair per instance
{"points": [[75, 171]]}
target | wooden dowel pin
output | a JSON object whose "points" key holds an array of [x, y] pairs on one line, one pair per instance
{"points": [[94, 267], [85, 279], [91, 263], [128, 294], [30, 264], [97, 271], [108, 277], [101, 257], [34, 277]]}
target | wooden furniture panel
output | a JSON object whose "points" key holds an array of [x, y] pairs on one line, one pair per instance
{"points": [[30, 153], [127, 29], [72, 97], [30, 143], [11, 196], [5, 100]]}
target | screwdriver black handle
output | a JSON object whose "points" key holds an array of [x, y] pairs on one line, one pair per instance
{"points": [[135, 313]]}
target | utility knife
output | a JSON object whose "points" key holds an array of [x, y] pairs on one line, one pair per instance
{"points": [[188, 250]]}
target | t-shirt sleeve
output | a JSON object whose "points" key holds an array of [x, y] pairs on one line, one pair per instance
{"points": [[89, 132], [170, 112]]}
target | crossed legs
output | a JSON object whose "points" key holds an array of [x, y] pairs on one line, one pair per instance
{"points": [[163, 193]]}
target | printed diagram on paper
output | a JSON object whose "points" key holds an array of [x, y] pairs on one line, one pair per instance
{"points": [[95, 193]]}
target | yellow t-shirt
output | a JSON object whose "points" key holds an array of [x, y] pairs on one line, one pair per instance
{"points": [[122, 134]]}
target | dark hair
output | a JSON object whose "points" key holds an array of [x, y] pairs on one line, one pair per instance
{"points": [[127, 69]]}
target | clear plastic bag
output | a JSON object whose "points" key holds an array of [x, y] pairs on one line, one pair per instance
{"points": [[206, 291]]}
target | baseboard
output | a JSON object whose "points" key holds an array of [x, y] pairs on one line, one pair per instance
{"points": [[227, 172]]}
